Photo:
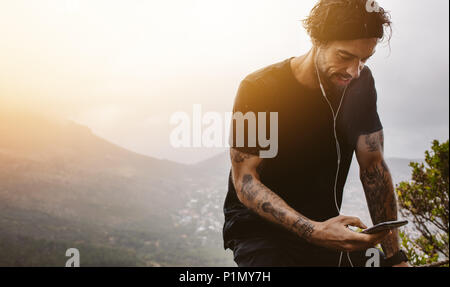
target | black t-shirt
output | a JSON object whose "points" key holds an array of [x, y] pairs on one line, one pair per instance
{"points": [[303, 172]]}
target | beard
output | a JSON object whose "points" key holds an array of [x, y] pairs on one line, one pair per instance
{"points": [[328, 85], [325, 77]]}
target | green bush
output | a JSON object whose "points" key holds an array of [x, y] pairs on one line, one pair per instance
{"points": [[424, 201]]}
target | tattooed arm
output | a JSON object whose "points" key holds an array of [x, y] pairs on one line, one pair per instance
{"points": [[332, 234], [260, 199], [378, 187]]}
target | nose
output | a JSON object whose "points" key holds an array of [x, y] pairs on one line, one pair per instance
{"points": [[355, 68]]}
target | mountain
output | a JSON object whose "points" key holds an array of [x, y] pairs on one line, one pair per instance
{"points": [[219, 165], [63, 169], [63, 186]]}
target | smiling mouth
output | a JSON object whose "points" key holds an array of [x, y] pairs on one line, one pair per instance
{"points": [[344, 80]]}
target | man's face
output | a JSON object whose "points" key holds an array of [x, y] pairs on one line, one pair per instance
{"points": [[340, 62]]}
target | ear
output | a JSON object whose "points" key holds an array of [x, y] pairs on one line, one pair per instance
{"points": [[318, 43]]}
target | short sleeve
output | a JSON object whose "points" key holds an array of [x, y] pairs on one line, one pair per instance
{"points": [[368, 121], [249, 102]]}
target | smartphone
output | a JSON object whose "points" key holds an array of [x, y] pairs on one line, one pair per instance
{"points": [[385, 226]]}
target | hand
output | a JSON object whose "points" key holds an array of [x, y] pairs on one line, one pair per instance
{"points": [[335, 234], [403, 264]]}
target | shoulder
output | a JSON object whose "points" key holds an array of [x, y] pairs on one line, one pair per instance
{"points": [[367, 76], [363, 89], [267, 77], [257, 89], [365, 79]]}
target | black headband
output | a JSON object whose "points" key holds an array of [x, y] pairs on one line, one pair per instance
{"points": [[367, 25]]}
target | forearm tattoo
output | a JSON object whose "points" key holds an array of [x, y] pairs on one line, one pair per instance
{"points": [[303, 227], [269, 205], [279, 214], [265, 202], [379, 190]]}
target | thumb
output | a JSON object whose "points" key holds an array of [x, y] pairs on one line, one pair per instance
{"points": [[380, 236], [353, 221]]}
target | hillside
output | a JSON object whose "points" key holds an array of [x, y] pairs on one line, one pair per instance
{"points": [[62, 185]]}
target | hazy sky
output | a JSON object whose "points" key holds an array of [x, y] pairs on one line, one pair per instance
{"points": [[123, 67]]}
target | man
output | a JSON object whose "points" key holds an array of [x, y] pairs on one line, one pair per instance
{"points": [[285, 211]]}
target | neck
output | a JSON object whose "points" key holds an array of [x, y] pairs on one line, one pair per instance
{"points": [[304, 70]]}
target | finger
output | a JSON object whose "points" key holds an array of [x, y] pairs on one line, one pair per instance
{"points": [[353, 221], [380, 236], [368, 240]]}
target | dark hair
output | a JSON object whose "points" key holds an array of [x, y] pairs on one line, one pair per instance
{"points": [[331, 20]]}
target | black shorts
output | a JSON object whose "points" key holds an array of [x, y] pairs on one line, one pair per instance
{"points": [[286, 255]]}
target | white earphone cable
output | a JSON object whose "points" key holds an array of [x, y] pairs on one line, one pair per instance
{"points": [[338, 148]]}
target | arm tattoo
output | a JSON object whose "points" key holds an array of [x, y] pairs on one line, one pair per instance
{"points": [[375, 141], [239, 157], [303, 227], [269, 205], [260, 167], [381, 200], [247, 188], [379, 192]]}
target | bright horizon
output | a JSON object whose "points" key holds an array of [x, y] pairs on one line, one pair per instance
{"points": [[123, 67]]}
